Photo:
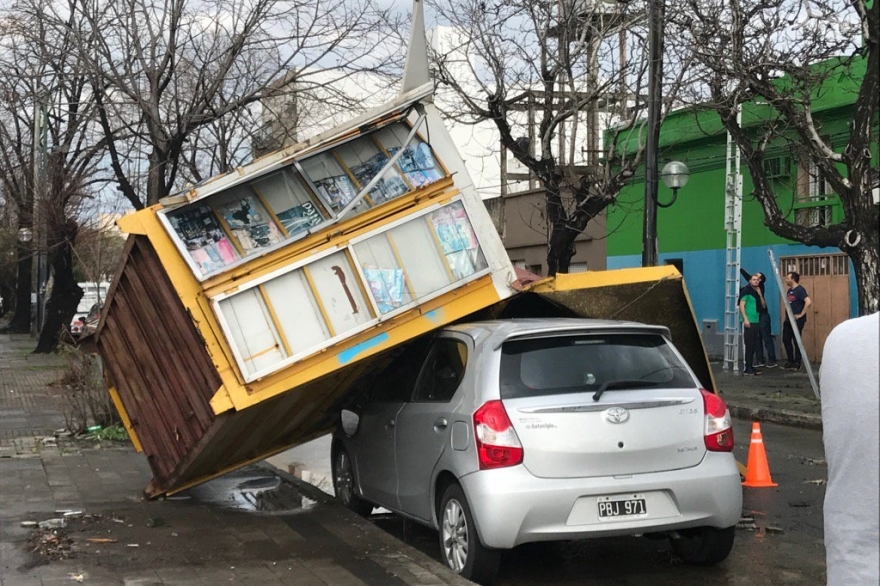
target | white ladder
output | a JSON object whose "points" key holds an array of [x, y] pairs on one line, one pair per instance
{"points": [[733, 228]]}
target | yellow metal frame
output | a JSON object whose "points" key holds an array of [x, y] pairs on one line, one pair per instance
{"points": [[126, 420]]}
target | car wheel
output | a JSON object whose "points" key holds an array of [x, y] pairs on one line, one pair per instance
{"points": [[703, 546], [345, 484], [460, 546]]}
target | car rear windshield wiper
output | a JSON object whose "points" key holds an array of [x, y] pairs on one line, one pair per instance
{"points": [[622, 383]]}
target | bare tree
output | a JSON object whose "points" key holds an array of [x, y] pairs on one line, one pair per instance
{"points": [[551, 75], [787, 55], [162, 71], [47, 156]]}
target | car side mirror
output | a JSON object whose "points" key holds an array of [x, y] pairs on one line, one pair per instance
{"points": [[350, 421]]}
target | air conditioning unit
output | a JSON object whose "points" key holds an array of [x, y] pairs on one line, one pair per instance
{"points": [[777, 167]]}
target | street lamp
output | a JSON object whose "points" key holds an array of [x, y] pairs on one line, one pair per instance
{"points": [[675, 175]]}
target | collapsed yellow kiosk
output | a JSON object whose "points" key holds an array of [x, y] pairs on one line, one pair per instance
{"points": [[245, 309]]}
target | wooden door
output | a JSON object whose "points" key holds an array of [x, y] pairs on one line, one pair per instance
{"points": [[826, 279]]}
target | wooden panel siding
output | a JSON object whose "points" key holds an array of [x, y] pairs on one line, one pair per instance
{"points": [[159, 364], [271, 426]]}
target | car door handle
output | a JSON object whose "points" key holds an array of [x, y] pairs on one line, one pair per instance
{"points": [[390, 424], [440, 423]]}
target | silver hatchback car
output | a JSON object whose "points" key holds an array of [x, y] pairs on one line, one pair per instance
{"points": [[501, 433]]}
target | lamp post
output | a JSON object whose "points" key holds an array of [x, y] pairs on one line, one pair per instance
{"points": [[675, 174], [655, 89]]}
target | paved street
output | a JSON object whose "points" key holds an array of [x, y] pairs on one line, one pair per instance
{"points": [[779, 541]]}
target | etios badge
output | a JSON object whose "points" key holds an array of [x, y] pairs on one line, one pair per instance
{"points": [[616, 415]]}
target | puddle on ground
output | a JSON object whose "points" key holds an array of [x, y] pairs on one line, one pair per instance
{"points": [[251, 489]]}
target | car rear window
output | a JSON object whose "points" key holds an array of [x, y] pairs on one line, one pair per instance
{"points": [[583, 363]]}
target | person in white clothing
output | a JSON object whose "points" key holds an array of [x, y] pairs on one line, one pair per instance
{"points": [[850, 389]]}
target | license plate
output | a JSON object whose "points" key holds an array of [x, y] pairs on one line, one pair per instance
{"points": [[618, 507]]}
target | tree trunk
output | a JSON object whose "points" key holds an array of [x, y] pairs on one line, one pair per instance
{"points": [[866, 263], [560, 250], [560, 243], [66, 293], [21, 320]]}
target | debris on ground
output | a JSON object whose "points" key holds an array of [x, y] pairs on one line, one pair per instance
{"points": [[155, 522], [51, 544], [57, 523]]}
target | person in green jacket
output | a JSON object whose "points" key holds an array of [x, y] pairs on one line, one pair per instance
{"points": [[750, 299]]}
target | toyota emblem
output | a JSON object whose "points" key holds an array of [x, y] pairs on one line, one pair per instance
{"points": [[616, 415]]}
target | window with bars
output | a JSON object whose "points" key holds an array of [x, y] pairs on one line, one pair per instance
{"points": [[812, 266], [815, 201]]}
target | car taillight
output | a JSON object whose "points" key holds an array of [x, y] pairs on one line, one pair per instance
{"points": [[718, 431], [497, 443]]}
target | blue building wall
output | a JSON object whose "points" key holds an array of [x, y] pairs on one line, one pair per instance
{"points": [[704, 277]]}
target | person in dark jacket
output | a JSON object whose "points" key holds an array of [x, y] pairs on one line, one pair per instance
{"points": [[765, 334], [800, 302]]}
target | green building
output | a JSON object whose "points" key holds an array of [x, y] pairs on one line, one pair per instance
{"points": [[692, 233]]}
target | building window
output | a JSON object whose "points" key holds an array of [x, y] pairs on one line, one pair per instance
{"points": [[814, 199]]}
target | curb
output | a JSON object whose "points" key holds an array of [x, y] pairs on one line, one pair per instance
{"points": [[780, 416]]}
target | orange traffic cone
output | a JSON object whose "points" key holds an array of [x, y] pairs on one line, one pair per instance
{"points": [[757, 470]]}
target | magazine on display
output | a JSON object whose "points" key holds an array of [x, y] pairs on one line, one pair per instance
{"points": [[249, 223], [204, 238]]}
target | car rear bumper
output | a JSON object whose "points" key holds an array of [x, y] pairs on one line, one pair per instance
{"points": [[511, 506]]}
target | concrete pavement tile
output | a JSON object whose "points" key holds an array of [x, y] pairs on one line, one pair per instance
{"points": [[60, 482], [143, 579], [8, 580], [413, 574], [249, 581], [252, 535], [268, 549], [333, 575], [175, 575], [287, 540], [293, 572], [255, 570], [215, 575]]}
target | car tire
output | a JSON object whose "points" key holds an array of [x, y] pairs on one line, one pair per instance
{"points": [[460, 546], [345, 484], [703, 546]]}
